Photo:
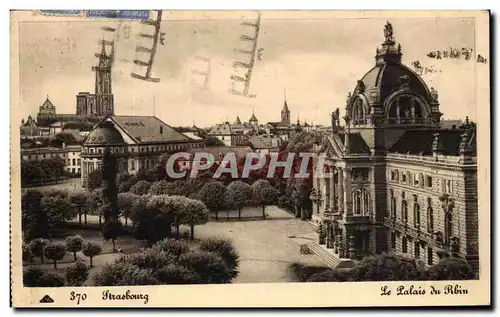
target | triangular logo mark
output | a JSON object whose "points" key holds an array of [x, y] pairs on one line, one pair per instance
{"points": [[46, 299]]}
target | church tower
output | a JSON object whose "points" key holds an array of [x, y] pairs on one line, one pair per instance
{"points": [[103, 73], [285, 114], [101, 102]]}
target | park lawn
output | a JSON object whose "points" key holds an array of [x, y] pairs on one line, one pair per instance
{"points": [[69, 184], [127, 243], [265, 246]]}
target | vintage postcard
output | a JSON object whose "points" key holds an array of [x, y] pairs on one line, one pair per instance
{"points": [[250, 158]]}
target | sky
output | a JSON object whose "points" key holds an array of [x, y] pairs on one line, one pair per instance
{"points": [[316, 61]]}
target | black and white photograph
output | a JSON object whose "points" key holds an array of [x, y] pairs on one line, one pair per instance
{"points": [[160, 148]]}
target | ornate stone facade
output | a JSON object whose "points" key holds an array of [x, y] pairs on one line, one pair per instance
{"points": [[393, 179]]}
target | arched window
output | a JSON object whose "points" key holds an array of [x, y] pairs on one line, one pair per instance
{"points": [[361, 202], [404, 108], [366, 203], [430, 216], [404, 210], [393, 205], [416, 212], [358, 112], [357, 202]]}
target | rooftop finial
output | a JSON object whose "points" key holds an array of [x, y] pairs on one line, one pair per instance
{"points": [[388, 33]]}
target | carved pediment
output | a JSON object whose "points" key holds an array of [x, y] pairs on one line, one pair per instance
{"points": [[330, 149]]}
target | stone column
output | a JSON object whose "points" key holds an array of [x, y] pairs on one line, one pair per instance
{"points": [[347, 191], [397, 111], [332, 191], [326, 183], [341, 190]]}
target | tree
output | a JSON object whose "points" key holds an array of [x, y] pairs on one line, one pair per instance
{"points": [[301, 194], [112, 230], [175, 274], [194, 213], [213, 141], [174, 208], [94, 179], [51, 280], [95, 203], [337, 275], [225, 250], [210, 267], [264, 194], [239, 194], [55, 252], [77, 273], [122, 273], [90, 250], [452, 268], [74, 244], [140, 188], [62, 137], [387, 267], [27, 255], [78, 199], [158, 188], [149, 224], [212, 194], [34, 220], [152, 218], [172, 246], [37, 247], [32, 277], [54, 167], [126, 202], [58, 211]]}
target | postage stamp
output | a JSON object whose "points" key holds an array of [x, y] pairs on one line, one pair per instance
{"points": [[250, 159]]}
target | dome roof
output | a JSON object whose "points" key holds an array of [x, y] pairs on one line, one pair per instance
{"points": [[389, 75], [387, 78], [104, 134]]}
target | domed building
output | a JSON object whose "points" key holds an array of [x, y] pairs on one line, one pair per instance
{"points": [[136, 141], [395, 181]]}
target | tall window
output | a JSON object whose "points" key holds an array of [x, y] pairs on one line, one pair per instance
{"points": [[393, 205], [428, 181], [430, 254], [360, 202], [404, 208], [366, 201], [448, 186], [404, 245], [430, 216], [416, 249], [393, 240], [416, 212], [357, 204]]}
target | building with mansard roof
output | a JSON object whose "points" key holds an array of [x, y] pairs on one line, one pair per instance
{"points": [[137, 141], [395, 180]]}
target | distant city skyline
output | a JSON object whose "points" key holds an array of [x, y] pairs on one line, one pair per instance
{"points": [[317, 61]]}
